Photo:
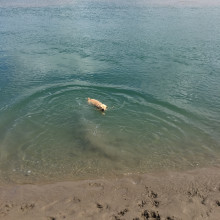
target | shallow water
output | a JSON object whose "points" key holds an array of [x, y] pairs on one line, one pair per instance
{"points": [[156, 66]]}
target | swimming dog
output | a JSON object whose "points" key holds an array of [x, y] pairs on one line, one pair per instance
{"points": [[98, 104]]}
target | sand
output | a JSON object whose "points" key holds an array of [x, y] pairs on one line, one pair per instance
{"points": [[171, 195]]}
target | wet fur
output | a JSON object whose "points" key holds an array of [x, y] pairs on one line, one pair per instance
{"points": [[98, 104]]}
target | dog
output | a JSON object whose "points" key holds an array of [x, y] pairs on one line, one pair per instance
{"points": [[98, 104]]}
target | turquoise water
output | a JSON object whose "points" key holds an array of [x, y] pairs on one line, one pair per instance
{"points": [[156, 66]]}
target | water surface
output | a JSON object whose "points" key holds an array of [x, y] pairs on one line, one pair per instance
{"points": [[156, 66]]}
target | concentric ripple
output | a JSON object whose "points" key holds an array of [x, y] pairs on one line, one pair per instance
{"points": [[53, 134]]}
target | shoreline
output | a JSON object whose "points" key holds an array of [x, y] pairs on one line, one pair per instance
{"points": [[193, 194]]}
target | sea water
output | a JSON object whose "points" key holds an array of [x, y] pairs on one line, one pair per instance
{"points": [[155, 65]]}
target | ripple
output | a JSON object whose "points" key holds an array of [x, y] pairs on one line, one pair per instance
{"points": [[55, 133]]}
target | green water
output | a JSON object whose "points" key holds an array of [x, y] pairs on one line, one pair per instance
{"points": [[156, 67]]}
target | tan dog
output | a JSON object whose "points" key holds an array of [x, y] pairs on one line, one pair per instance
{"points": [[98, 104]]}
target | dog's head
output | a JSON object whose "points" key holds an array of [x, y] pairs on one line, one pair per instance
{"points": [[103, 107]]}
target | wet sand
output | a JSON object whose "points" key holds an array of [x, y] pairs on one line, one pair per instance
{"points": [[172, 195]]}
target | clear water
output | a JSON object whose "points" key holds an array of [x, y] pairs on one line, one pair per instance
{"points": [[156, 66]]}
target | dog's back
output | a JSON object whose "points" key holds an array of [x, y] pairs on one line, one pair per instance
{"points": [[94, 102]]}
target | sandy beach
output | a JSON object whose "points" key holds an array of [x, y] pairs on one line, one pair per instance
{"points": [[171, 195]]}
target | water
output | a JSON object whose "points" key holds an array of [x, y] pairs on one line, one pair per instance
{"points": [[156, 66]]}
